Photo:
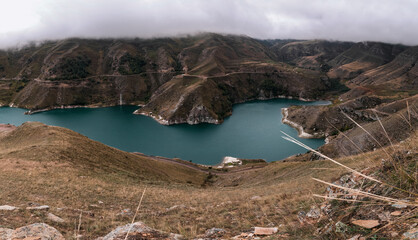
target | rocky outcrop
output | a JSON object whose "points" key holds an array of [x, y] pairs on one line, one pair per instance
{"points": [[139, 230], [186, 99], [397, 127], [324, 121], [38, 231], [328, 121]]}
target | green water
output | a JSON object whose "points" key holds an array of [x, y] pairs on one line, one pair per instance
{"points": [[253, 131]]}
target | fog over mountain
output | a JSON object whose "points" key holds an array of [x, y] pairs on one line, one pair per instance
{"points": [[22, 21]]}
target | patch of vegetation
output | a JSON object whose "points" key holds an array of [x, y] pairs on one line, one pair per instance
{"points": [[325, 67], [72, 68], [270, 86], [131, 65]]}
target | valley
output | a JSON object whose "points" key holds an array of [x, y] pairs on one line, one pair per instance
{"points": [[198, 82]]}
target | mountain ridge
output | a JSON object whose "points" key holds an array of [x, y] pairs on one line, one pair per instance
{"points": [[92, 72]]}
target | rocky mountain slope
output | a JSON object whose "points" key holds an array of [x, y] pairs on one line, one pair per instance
{"points": [[170, 75]]}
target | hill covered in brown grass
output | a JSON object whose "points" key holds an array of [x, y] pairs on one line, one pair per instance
{"points": [[73, 175]]}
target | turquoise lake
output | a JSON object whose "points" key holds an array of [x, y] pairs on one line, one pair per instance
{"points": [[253, 131]]}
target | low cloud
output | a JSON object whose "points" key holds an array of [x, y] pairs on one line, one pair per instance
{"points": [[347, 20]]}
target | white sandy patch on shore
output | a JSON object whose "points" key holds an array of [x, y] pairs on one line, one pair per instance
{"points": [[230, 162]]}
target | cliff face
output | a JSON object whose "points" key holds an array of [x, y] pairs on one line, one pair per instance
{"points": [[198, 78]]}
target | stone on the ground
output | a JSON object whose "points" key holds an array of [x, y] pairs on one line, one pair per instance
{"points": [[384, 216], [125, 212], [42, 207], [399, 205], [214, 233], [7, 208], [315, 212], [265, 231], [366, 223], [396, 213], [175, 207], [356, 237], [255, 198], [411, 234], [341, 227], [55, 218], [5, 233], [139, 230], [38, 231]]}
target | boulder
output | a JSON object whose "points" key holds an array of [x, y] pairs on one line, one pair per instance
{"points": [[139, 230], [38, 231]]}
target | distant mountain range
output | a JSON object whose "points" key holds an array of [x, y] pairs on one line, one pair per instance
{"points": [[198, 78]]}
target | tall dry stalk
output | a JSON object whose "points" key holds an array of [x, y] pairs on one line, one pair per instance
{"points": [[356, 191], [136, 212]]}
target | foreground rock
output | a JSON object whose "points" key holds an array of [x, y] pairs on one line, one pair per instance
{"points": [[366, 223], [139, 230], [43, 207], [261, 231], [7, 208], [411, 234], [55, 218], [38, 231]]}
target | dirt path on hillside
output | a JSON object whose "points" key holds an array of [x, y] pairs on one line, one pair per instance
{"points": [[199, 168]]}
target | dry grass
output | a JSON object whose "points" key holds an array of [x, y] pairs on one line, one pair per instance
{"points": [[73, 183], [396, 182]]}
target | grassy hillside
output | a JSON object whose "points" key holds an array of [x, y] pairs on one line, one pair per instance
{"points": [[54, 166], [44, 144]]}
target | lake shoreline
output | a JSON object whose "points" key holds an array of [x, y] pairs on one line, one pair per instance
{"points": [[252, 132], [299, 128]]}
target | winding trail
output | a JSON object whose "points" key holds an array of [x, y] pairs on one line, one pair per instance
{"points": [[201, 168]]}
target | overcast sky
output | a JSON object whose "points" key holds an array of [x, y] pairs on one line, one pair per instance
{"points": [[394, 21]]}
